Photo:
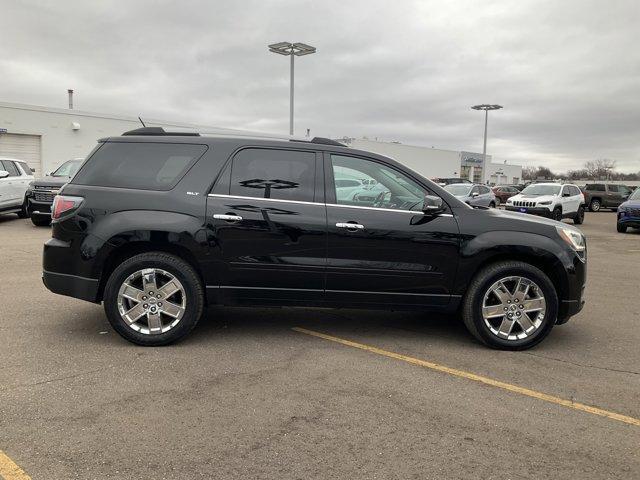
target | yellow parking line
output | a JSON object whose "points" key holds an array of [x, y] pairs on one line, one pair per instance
{"points": [[9, 470], [477, 378]]}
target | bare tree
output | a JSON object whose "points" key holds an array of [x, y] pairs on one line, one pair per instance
{"points": [[600, 168]]}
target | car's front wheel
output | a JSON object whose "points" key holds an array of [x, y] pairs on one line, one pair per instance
{"points": [[579, 218], [510, 305], [154, 299], [621, 228], [23, 213], [498, 201]]}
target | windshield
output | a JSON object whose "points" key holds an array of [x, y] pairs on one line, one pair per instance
{"points": [[541, 190], [458, 189], [635, 195], [67, 169]]}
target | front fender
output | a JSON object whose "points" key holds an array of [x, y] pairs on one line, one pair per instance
{"points": [[557, 261]]}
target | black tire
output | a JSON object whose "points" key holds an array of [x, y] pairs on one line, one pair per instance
{"points": [[498, 201], [184, 272], [595, 205], [492, 205], [472, 304], [41, 220], [579, 218], [621, 228], [23, 213], [557, 214]]}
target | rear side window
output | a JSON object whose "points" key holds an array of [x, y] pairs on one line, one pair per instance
{"points": [[596, 187], [271, 173], [613, 188], [145, 166], [26, 168]]}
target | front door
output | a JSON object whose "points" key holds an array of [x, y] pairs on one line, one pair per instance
{"points": [[269, 223], [382, 249]]}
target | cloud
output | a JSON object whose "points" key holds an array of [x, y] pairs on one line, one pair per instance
{"points": [[566, 72]]}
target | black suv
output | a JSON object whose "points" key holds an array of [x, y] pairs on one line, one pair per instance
{"points": [[158, 225]]}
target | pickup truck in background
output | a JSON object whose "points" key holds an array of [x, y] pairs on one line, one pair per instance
{"points": [[604, 195]]}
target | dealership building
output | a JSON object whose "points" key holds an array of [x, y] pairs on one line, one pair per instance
{"points": [[438, 163], [47, 137]]}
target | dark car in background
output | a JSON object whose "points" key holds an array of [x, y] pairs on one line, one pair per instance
{"points": [[503, 193], [40, 193], [158, 226], [604, 195], [629, 212]]}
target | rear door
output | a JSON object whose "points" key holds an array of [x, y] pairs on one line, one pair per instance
{"points": [[382, 249], [11, 185], [268, 214]]}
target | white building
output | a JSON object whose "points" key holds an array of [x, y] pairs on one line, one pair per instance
{"points": [[47, 137], [437, 163]]}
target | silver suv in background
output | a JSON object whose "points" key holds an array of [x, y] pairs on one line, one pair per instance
{"points": [[476, 195], [15, 176]]}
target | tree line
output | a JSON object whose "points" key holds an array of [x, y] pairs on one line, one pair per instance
{"points": [[601, 169]]}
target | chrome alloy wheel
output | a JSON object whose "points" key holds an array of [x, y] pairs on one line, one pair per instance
{"points": [[513, 308], [151, 301]]}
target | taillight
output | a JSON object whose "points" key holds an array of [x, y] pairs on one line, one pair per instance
{"points": [[63, 204]]}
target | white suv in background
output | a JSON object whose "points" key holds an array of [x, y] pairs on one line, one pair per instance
{"points": [[15, 177], [551, 200]]}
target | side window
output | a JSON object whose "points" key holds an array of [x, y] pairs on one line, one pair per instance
{"points": [[598, 187], [26, 168], [10, 167], [375, 185], [475, 190], [614, 188], [271, 173], [484, 190]]}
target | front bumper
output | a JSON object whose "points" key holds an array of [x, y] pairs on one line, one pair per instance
{"points": [[540, 211], [36, 207], [624, 218]]}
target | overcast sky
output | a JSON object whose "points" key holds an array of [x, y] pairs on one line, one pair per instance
{"points": [[567, 72]]}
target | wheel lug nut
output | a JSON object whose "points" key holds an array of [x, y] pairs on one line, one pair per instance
{"points": [[505, 309], [150, 293], [159, 304], [144, 297], [521, 306], [158, 296], [145, 306], [508, 301]]}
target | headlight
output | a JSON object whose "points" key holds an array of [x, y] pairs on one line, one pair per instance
{"points": [[548, 202], [573, 238], [509, 200]]}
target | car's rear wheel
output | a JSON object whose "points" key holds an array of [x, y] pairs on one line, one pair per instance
{"points": [[510, 306], [557, 214], [579, 218], [595, 205], [498, 201], [41, 220], [154, 299], [492, 205], [621, 228]]}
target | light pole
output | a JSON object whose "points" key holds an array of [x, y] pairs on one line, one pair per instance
{"points": [[486, 109], [293, 50]]}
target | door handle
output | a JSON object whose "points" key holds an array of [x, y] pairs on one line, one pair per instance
{"points": [[227, 218], [350, 226]]}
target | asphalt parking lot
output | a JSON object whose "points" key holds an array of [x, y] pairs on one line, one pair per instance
{"points": [[246, 396]]}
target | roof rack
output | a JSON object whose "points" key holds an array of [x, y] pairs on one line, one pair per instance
{"points": [[158, 131], [325, 141]]}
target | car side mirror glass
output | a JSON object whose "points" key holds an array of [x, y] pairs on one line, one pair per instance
{"points": [[4, 174], [432, 204], [475, 194]]}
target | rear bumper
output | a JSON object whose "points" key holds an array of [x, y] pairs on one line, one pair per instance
{"points": [[540, 211], [71, 285]]}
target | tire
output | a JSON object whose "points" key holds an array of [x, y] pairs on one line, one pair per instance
{"points": [[492, 205], [621, 228], [498, 202], [23, 213], [557, 214], [479, 291], [595, 205], [189, 296], [579, 218], [41, 220]]}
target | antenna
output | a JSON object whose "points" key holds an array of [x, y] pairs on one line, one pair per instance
{"points": [[141, 122]]}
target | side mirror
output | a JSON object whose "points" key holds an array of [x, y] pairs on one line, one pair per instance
{"points": [[432, 204], [4, 174], [566, 194], [475, 194]]}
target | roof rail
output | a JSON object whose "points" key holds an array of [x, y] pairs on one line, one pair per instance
{"points": [[319, 140], [159, 131]]}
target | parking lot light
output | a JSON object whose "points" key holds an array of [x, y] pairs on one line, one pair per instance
{"points": [[486, 107], [292, 50]]}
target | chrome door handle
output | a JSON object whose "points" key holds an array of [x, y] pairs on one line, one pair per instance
{"points": [[350, 226], [227, 218]]}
